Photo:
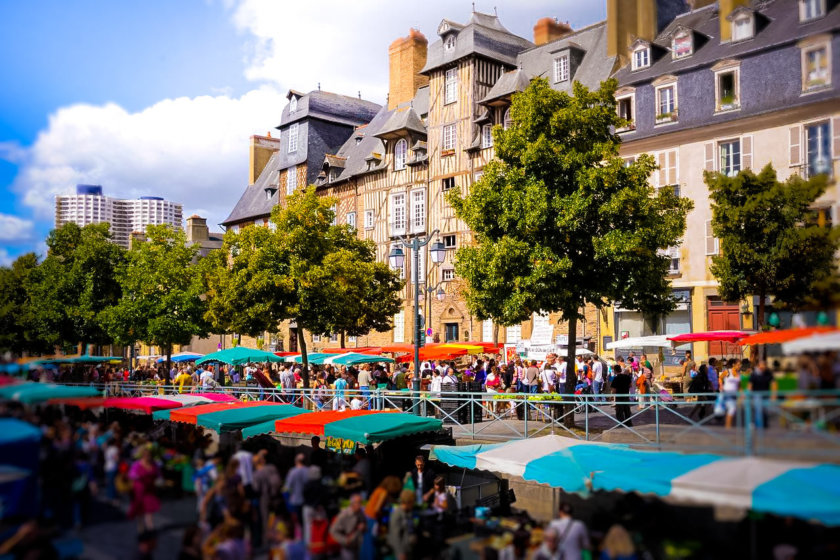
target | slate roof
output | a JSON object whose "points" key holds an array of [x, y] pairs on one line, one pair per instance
{"points": [[593, 68], [332, 107], [484, 35], [402, 119], [782, 27], [509, 83], [253, 202]]}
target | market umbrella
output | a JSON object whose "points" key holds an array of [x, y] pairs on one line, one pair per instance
{"points": [[313, 358], [708, 336], [655, 341], [242, 417], [784, 335], [787, 488], [815, 343], [181, 357], [240, 355], [376, 428], [353, 358]]}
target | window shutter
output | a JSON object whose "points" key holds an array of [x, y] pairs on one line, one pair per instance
{"points": [[710, 156], [796, 145], [663, 171], [711, 240], [672, 167], [835, 127], [746, 152]]}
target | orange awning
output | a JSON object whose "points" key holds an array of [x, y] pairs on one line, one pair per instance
{"points": [[314, 422], [783, 335]]}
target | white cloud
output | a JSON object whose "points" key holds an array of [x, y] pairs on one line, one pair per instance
{"points": [[5, 258], [13, 228], [189, 150], [12, 152]]}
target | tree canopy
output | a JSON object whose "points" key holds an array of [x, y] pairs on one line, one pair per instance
{"points": [[17, 332], [572, 222], [768, 244], [305, 269], [162, 299]]}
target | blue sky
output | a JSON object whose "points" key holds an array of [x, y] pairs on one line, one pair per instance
{"points": [[159, 97]]}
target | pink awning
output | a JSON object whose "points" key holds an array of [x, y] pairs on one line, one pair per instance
{"points": [[709, 336]]}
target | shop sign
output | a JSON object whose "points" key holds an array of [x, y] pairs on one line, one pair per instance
{"points": [[341, 445]]}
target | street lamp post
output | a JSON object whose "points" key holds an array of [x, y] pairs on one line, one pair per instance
{"points": [[396, 259]]}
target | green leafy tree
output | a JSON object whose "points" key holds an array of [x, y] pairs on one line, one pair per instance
{"points": [[162, 301], [319, 275], [74, 286], [572, 223], [16, 329], [767, 245]]}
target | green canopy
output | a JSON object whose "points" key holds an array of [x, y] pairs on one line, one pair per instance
{"points": [[375, 428], [160, 415], [240, 418], [314, 358], [33, 393], [240, 355], [257, 429]]}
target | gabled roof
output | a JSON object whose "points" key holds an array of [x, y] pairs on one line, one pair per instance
{"points": [[402, 119], [253, 203], [331, 107], [485, 36], [507, 84]]}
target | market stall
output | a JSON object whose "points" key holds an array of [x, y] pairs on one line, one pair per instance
{"points": [[240, 355], [188, 415], [748, 483], [826, 342], [144, 404], [35, 393], [239, 418]]}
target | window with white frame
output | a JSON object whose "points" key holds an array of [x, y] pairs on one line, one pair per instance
{"points": [[399, 326], [727, 89], [291, 180], [513, 334], [449, 137], [816, 66], [369, 217], [624, 106], [730, 157], [352, 339], [673, 256], [507, 121], [449, 44], [451, 86], [293, 137], [400, 152], [421, 268], [641, 58], [293, 104], [712, 242], [316, 337], [418, 211], [811, 9], [487, 136], [561, 68], [334, 337], [818, 142], [487, 330], [682, 45], [666, 103], [743, 27], [398, 214], [334, 210], [449, 241], [351, 219], [447, 274]]}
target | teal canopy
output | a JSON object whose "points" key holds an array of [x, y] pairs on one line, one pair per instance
{"points": [[87, 359], [257, 429], [314, 358], [375, 428], [241, 418], [160, 415], [33, 393], [240, 355]]}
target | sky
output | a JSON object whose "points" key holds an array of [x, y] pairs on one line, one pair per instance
{"points": [[160, 97]]}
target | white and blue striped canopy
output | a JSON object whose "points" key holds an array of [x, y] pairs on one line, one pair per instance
{"points": [[804, 490]]}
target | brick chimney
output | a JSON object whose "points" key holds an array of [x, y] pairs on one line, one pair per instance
{"points": [[259, 153], [549, 29], [197, 229], [406, 56]]}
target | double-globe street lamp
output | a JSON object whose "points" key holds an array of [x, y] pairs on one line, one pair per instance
{"points": [[396, 258]]}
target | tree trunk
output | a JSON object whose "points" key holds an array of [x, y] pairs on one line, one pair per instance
{"points": [[759, 324], [571, 377], [341, 339], [495, 333], [168, 358], [304, 374]]}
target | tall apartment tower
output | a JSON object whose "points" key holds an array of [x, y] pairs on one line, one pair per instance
{"points": [[90, 206]]}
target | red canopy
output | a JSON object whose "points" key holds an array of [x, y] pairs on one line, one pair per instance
{"points": [[216, 397], [783, 335], [188, 414], [374, 350], [314, 422], [433, 353], [146, 404], [398, 348], [284, 354], [709, 336]]}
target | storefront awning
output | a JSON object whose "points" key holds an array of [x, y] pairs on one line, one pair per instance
{"points": [[804, 490], [242, 417]]}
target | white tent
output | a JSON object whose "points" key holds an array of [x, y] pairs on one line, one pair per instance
{"points": [[815, 343], [657, 341]]}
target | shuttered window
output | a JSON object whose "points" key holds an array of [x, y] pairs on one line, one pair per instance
{"points": [[712, 242], [451, 86], [399, 326], [795, 143], [398, 214]]}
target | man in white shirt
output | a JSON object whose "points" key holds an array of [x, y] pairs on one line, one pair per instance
{"points": [[206, 379], [597, 378], [561, 377], [572, 534]]}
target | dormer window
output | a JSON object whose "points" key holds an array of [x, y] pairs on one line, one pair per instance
{"points": [[269, 192], [561, 68], [293, 104], [811, 9], [486, 136], [743, 27], [683, 44], [400, 153], [641, 58], [449, 43]]}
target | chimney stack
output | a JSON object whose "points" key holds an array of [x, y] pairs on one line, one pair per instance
{"points": [[549, 29], [406, 57], [197, 229], [725, 7], [259, 153]]}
